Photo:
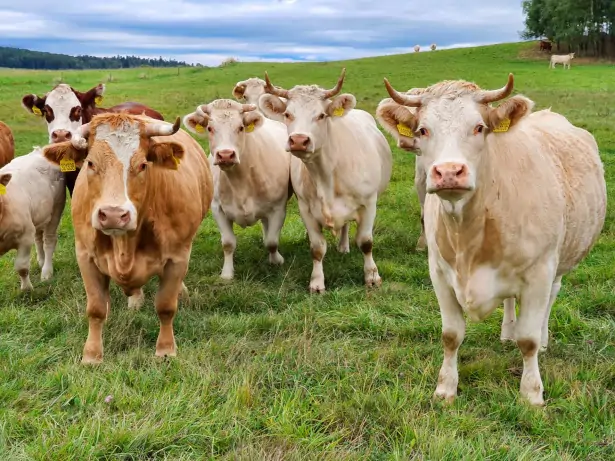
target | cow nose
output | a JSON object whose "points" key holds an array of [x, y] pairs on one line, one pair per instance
{"points": [[113, 217], [298, 142], [61, 135], [450, 175], [226, 157]]}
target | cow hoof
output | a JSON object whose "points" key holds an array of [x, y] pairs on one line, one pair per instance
{"points": [[442, 394], [46, 275], [373, 280], [91, 360], [276, 259], [226, 276], [543, 348], [165, 352], [317, 288], [343, 248], [27, 286]]}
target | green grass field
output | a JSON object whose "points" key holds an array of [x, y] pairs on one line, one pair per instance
{"points": [[267, 372]]}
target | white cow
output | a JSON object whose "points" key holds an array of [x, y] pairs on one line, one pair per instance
{"points": [[417, 48], [250, 91], [32, 198], [341, 164], [251, 171], [515, 200], [563, 59], [432, 47]]}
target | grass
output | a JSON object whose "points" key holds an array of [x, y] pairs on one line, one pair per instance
{"points": [[266, 371]]}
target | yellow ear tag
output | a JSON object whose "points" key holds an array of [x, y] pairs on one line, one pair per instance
{"points": [[2, 189], [250, 128], [36, 110], [199, 128], [98, 99], [503, 126], [67, 164], [404, 130], [338, 112], [176, 160]]}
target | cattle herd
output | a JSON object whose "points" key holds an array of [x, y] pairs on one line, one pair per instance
{"points": [[511, 199]]}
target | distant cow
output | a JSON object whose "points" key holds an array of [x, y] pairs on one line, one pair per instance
{"points": [[251, 171], [250, 91], [432, 47], [417, 48], [32, 199], [545, 45], [66, 109], [515, 200], [136, 210], [7, 145], [341, 164], [563, 59]]}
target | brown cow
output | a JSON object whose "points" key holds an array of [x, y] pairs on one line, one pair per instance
{"points": [[7, 145], [66, 109], [146, 188]]}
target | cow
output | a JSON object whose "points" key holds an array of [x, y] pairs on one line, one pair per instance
{"points": [[250, 91], [32, 199], [545, 45], [432, 47], [515, 200], [144, 188], [251, 171], [417, 48], [66, 109], [341, 163], [7, 145], [563, 59]]}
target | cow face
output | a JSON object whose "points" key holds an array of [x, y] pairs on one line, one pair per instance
{"points": [[249, 90], [452, 123], [227, 124], [398, 121], [306, 113], [119, 154], [63, 109]]}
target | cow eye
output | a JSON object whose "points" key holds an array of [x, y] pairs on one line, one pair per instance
{"points": [[424, 132], [479, 129], [240, 129], [286, 115], [321, 116], [210, 129], [142, 167], [91, 165]]}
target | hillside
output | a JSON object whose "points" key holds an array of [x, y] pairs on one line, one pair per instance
{"points": [[266, 371]]}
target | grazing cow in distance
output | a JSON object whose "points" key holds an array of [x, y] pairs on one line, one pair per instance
{"points": [[563, 59], [515, 200], [341, 164], [136, 209], [7, 145], [545, 45], [432, 47], [250, 91], [417, 48], [66, 109], [251, 171], [32, 199]]}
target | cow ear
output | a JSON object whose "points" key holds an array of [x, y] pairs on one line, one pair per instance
{"points": [[341, 105], [64, 152], [196, 123], [165, 154], [271, 105], [507, 114], [91, 98], [239, 90], [5, 179], [252, 120], [33, 104], [399, 122]]}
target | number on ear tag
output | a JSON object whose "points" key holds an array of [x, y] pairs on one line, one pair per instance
{"points": [[338, 112], [503, 126], [404, 130], [67, 164], [36, 110], [250, 128]]}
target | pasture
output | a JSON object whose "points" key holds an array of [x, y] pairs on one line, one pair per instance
{"points": [[266, 371]]}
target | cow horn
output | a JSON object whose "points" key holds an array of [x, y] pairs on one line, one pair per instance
{"points": [[276, 91], [162, 128], [247, 107], [487, 96], [403, 99], [338, 86]]}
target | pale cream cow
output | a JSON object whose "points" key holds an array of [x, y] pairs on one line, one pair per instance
{"points": [[250, 91], [251, 171], [32, 198], [515, 200], [432, 47], [417, 48], [563, 59], [341, 164]]}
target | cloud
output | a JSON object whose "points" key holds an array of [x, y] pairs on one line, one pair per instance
{"points": [[208, 31]]}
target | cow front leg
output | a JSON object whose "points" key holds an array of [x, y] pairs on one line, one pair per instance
{"points": [[170, 287], [508, 322], [365, 242], [272, 228], [22, 263], [229, 242], [343, 245], [420, 185], [318, 248]]}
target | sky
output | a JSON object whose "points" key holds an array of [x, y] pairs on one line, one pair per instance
{"points": [[209, 31]]}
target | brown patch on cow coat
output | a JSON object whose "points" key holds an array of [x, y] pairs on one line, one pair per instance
{"points": [[7, 145]]}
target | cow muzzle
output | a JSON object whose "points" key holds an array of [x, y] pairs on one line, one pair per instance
{"points": [[299, 143], [60, 136], [114, 219], [450, 177], [225, 158]]}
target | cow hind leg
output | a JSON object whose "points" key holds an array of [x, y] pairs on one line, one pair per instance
{"points": [[544, 341], [365, 242], [509, 320], [170, 287], [22, 264], [343, 245], [272, 227], [40, 249], [136, 298], [318, 248]]}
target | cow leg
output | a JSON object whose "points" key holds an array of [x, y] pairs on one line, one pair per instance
{"points": [[50, 240], [453, 333], [184, 293], [365, 242], [229, 243], [508, 322], [136, 298], [170, 287], [40, 250], [99, 302], [272, 227], [22, 263], [544, 341], [420, 184], [318, 248], [343, 245]]}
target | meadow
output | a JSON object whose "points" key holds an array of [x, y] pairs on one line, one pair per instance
{"points": [[267, 372]]}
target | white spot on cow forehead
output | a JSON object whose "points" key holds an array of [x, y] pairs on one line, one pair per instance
{"points": [[62, 96], [123, 140]]}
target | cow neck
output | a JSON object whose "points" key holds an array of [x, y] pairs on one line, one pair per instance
{"points": [[124, 249]]}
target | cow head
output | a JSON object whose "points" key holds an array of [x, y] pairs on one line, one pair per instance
{"points": [[249, 90], [120, 155], [227, 124], [306, 113], [396, 120], [452, 123], [63, 109]]}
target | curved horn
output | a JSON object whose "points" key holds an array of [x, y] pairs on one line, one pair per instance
{"points": [[403, 99], [162, 128], [487, 96], [276, 91], [338, 86], [248, 107]]}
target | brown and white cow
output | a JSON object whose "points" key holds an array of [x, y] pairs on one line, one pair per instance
{"points": [[515, 200], [250, 91], [341, 164], [251, 171], [7, 145], [66, 109], [144, 190]]}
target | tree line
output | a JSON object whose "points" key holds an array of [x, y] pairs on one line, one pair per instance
{"points": [[18, 58], [585, 27]]}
